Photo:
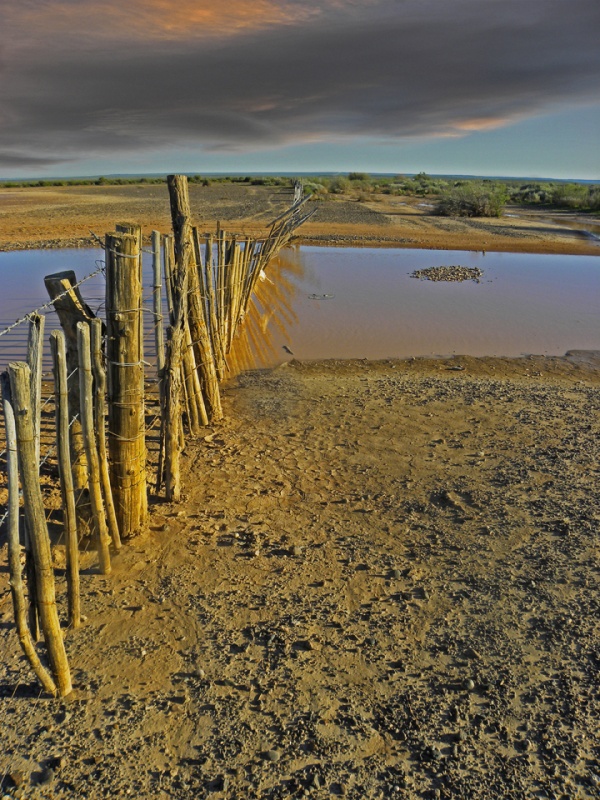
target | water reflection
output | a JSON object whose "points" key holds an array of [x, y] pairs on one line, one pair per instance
{"points": [[362, 303], [271, 315]]}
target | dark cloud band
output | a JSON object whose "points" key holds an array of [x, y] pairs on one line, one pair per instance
{"points": [[385, 70]]}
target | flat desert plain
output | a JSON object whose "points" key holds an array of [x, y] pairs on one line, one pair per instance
{"points": [[382, 582], [63, 216]]}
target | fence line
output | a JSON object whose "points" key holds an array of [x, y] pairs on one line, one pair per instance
{"points": [[209, 284]]}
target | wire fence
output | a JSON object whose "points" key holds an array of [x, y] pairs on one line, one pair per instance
{"points": [[13, 347], [207, 298]]}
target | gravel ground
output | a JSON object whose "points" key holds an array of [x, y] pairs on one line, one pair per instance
{"points": [[383, 583]]}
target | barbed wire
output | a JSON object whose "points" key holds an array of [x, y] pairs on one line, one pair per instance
{"points": [[51, 302]]}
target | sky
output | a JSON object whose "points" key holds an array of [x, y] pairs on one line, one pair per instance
{"points": [[478, 87]]}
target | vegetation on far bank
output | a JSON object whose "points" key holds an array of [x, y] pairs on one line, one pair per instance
{"points": [[470, 197]]}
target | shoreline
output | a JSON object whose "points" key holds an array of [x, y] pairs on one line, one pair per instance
{"points": [[341, 241], [64, 217]]}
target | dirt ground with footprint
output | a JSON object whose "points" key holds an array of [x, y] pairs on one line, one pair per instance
{"points": [[383, 583]]}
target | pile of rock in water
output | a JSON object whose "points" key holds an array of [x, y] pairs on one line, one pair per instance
{"points": [[453, 273]]}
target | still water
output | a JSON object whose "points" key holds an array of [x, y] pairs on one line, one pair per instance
{"points": [[362, 303], [523, 304]]}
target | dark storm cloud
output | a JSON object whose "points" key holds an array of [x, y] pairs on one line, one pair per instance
{"points": [[377, 69], [16, 160]]}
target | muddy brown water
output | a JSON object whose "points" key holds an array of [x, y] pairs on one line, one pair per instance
{"points": [[362, 302]]}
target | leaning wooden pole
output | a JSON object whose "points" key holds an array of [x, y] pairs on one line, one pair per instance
{"points": [[86, 393], [173, 415], [14, 546], [159, 335], [99, 375], [71, 309], [185, 262], [212, 308], [35, 346], [38, 530], [168, 262], [126, 423], [59, 360]]}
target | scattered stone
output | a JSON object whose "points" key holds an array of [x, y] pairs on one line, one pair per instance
{"points": [[47, 775], [450, 273], [17, 777], [272, 755], [469, 684]]}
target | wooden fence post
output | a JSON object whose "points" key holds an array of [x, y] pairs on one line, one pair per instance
{"points": [[86, 393], [59, 360], [169, 260], [209, 282], [71, 309], [159, 334], [100, 427], [172, 415], [14, 546], [126, 422], [35, 346], [185, 262], [36, 522]]}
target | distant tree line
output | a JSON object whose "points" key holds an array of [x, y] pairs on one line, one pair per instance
{"points": [[449, 197], [253, 180]]}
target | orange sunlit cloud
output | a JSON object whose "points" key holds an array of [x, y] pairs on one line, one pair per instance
{"points": [[483, 123], [159, 19]]}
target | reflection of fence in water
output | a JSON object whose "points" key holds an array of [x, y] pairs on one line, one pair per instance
{"points": [[271, 311]]}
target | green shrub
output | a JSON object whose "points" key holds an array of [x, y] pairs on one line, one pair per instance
{"points": [[471, 200], [339, 185]]}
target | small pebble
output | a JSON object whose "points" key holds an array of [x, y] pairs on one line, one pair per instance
{"points": [[296, 550], [17, 777], [47, 776], [469, 684], [272, 755]]}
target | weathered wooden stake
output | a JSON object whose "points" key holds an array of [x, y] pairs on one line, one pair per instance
{"points": [[126, 423], [159, 337], [173, 416], [35, 346], [61, 403], [217, 347], [14, 546], [169, 260], [184, 258], [197, 416], [36, 522], [99, 374], [86, 393], [71, 309]]}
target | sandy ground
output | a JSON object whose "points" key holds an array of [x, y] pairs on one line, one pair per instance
{"points": [[383, 583], [64, 216]]}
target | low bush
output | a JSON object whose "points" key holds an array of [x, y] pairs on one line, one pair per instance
{"points": [[471, 200]]}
